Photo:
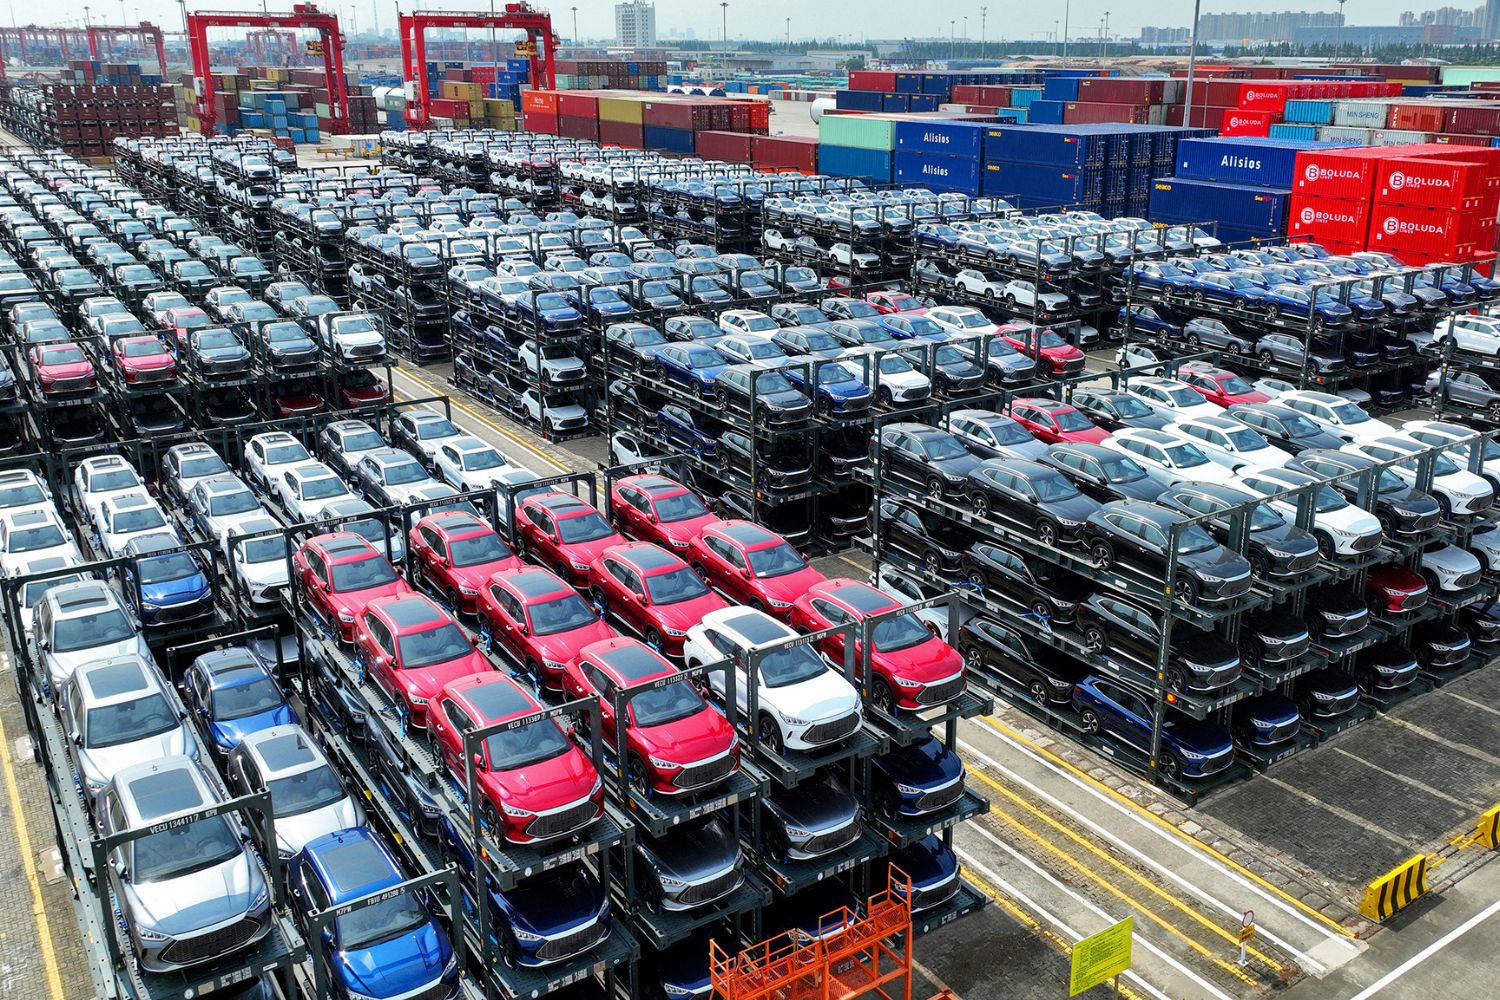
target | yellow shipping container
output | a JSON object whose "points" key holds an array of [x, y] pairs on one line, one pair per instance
{"points": [[496, 108], [476, 109], [620, 109]]}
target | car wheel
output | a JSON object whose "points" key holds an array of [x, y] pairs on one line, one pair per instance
{"points": [[1095, 639], [1088, 721], [1267, 358], [1186, 589], [1038, 692], [770, 735], [640, 778], [973, 658], [975, 579], [1260, 567], [1176, 680], [1169, 766], [1444, 505], [882, 697], [1102, 555], [1272, 313], [510, 951], [1046, 533], [697, 567], [934, 487], [981, 504], [653, 639], [1325, 544], [883, 397], [1041, 609], [932, 562], [1237, 302], [1198, 298], [1010, 302]]}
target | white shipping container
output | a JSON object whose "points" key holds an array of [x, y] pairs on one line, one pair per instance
{"points": [[1398, 137], [1343, 133], [1361, 114]]}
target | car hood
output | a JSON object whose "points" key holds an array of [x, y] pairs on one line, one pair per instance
{"points": [[826, 696], [1451, 558], [1198, 737], [1217, 562], [694, 738], [925, 765], [697, 852], [151, 362], [173, 591], [191, 902], [816, 806], [562, 898], [928, 860], [546, 784], [1320, 439], [567, 412], [1271, 710], [294, 832], [73, 659], [958, 466], [398, 966], [428, 682], [791, 586], [369, 338], [102, 763]]}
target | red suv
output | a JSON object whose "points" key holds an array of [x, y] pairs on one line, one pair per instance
{"points": [[564, 533], [458, 552], [657, 509], [1219, 385], [540, 620], [887, 303], [1052, 421], [62, 368], [341, 573], [143, 359], [537, 784], [752, 565], [1395, 590], [675, 741], [910, 667], [652, 591], [1063, 357], [412, 648], [182, 320]]}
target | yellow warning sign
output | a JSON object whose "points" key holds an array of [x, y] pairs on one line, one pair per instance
{"points": [[1101, 957], [315, 47], [1247, 934]]}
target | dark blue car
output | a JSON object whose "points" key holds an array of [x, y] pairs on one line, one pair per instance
{"points": [[391, 949], [694, 366], [905, 326], [680, 427], [1233, 288], [1266, 721], [173, 587], [936, 236], [1145, 319], [839, 389], [233, 693], [602, 302], [1160, 275], [917, 780], [1300, 301], [933, 869], [552, 311], [1190, 749], [552, 917]]}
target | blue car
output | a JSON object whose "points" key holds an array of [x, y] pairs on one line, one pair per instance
{"points": [[906, 326], [1161, 275], [693, 366], [1190, 749], [680, 972], [1145, 319], [1298, 300], [937, 236], [173, 587], [917, 780], [1233, 288], [839, 391], [933, 869], [1451, 287], [680, 427], [552, 311], [601, 303], [1266, 721], [552, 917], [232, 693], [391, 949]]}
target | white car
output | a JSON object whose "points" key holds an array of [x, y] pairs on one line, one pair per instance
{"points": [[1449, 568], [802, 703], [31, 535], [1022, 294], [842, 253], [126, 516], [962, 319], [751, 348], [747, 321], [558, 364], [896, 382], [217, 506], [99, 477], [1459, 491], [1176, 457], [267, 454], [466, 463], [354, 337], [558, 412], [305, 490], [1485, 545], [1229, 442], [1171, 398], [909, 590], [22, 490], [1341, 528], [259, 565], [1142, 358], [976, 283], [1335, 414], [344, 442], [994, 435], [1458, 442], [1476, 334], [421, 430], [629, 448]]}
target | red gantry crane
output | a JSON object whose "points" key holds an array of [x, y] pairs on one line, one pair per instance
{"points": [[517, 16], [146, 33], [40, 37], [303, 15], [270, 46]]}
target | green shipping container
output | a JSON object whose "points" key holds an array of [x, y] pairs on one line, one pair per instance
{"points": [[857, 132], [1462, 76]]}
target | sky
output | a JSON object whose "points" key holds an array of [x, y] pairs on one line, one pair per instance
{"points": [[766, 19]]}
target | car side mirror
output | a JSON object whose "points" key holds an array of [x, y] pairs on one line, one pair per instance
{"points": [[478, 759], [45, 645], [653, 518], [745, 572], [523, 628]]}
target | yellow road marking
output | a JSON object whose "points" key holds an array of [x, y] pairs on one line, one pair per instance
{"points": [[486, 421], [1219, 856], [23, 845], [1124, 869]]}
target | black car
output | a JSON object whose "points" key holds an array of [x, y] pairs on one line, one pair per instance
{"points": [[1032, 493], [927, 455], [1482, 622], [1198, 661], [1265, 721], [690, 866], [1402, 509], [1103, 473], [954, 372], [1274, 548], [1284, 427], [1136, 533], [1052, 594], [1325, 694], [799, 341], [765, 396], [1385, 667], [1335, 612], [1273, 637], [1114, 410], [216, 352], [1047, 674], [809, 821], [1440, 645], [692, 328], [634, 343], [777, 466], [937, 542]]}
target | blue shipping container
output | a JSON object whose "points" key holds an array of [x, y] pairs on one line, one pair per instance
{"points": [[1308, 112], [909, 83], [675, 140], [1243, 159], [1075, 146], [1243, 206], [1304, 133], [1047, 112], [846, 161], [1045, 185], [940, 173], [926, 102], [896, 102], [945, 138], [1061, 88], [858, 100], [939, 83]]}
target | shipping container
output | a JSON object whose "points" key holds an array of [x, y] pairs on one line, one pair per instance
{"points": [[872, 80], [940, 173], [671, 140], [615, 109], [1302, 133], [1047, 112], [1329, 220], [578, 128], [1310, 111], [1244, 205], [622, 134], [1361, 113], [1434, 183], [1067, 147], [852, 161], [1478, 118], [896, 103], [1248, 124], [943, 138], [1266, 162], [791, 152], [858, 100], [858, 132], [1430, 231], [1040, 185]]}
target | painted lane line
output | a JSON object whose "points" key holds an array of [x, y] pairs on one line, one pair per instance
{"points": [[1428, 952]]}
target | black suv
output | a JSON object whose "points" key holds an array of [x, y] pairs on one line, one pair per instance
{"points": [[1051, 594], [1033, 494], [1114, 410], [1136, 533], [1197, 662], [1103, 473], [1402, 509], [765, 395], [927, 455], [1334, 612], [1275, 548], [1283, 426], [779, 466], [1047, 674], [1273, 637], [938, 543]]}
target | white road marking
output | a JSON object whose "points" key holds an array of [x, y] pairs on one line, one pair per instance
{"points": [[1427, 952]]}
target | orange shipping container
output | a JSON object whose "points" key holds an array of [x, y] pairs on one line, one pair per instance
{"points": [[540, 101]]}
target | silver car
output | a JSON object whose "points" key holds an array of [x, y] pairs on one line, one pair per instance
{"points": [[120, 712], [81, 623], [306, 796], [189, 892]]}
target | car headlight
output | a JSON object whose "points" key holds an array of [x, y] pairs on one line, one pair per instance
{"points": [[778, 604], [347, 619], [262, 896], [793, 831], [909, 683], [554, 666], [674, 632], [909, 789], [789, 720], [664, 765], [667, 882], [1067, 523], [526, 936], [149, 935], [1323, 696], [452, 965], [1190, 755], [468, 592], [597, 786], [581, 567], [512, 810], [417, 701]]}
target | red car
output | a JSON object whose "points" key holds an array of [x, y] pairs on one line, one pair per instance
{"points": [[537, 784], [362, 388], [179, 320], [564, 533], [675, 741], [910, 667], [1395, 590], [62, 368], [412, 648], [458, 553], [143, 359], [895, 302], [1052, 421], [752, 565], [652, 591], [340, 573], [540, 620], [297, 399], [1063, 357], [1217, 385], [657, 509]]}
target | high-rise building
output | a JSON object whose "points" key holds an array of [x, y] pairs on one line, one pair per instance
{"points": [[1491, 23], [1269, 26], [635, 24]]}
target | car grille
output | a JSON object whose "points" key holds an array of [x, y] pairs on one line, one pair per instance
{"points": [[1288, 649], [1335, 624], [1426, 521], [567, 423], [566, 946], [367, 351], [1465, 581], [1285, 731], [1337, 706], [184, 951], [1216, 764], [837, 729], [1230, 589], [826, 843], [1072, 367], [941, 693], [437, 991], [1411, 602], [72, 384], [1210, 678], [562, 821], [156, 375], [1365, 543], [797, 477], [698, 775], [710, 890], [224, 367], [568, 375], [1481, 503], [926, 899], [939, 798], [181, 612], [1301, 564], [1444, 655]]}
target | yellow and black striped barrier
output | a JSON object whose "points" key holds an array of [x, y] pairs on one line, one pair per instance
{"points": [[1396, 889], [1488, 832]]}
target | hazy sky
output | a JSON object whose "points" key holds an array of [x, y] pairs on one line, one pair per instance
{"points": [[767, 18]]}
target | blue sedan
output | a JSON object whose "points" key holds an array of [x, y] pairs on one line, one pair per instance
{"points": [[173, 586], [694, 366], [1161, 275], [1299, 301], [906, 326], [933, 869], [552, 917], [1233, 288], [551, 311], [232, 693], [1190, 749], [936, 236], [1145, 319], [839, 390], [602, 302], [680, 427]]}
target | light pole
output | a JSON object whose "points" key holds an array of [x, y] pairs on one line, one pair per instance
{"points": [[1067, 9], [984, 13], [1104, 38], [1187, 94], [1056, 37], [789, 34], [952, 36], [966, 31], [575, 25], [724, 22]]}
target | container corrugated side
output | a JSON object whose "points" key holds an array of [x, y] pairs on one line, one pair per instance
{"points": [[858, 132], [941, 138], [849, 161], [940, 173], [1244, 205]]}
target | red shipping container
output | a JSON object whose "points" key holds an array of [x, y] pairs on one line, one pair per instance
{"points": [[1252, 123], [622, 134], [1266, 96], [1219, 94], [542, 101], [578, 128], [1201, 117], [731, 146], [1473, 119], [1084, 112], [1328, 219], [691, 114], [577, 105], [1417, 117], [867, 79], [791, 152], [444, 108], [994, 97], [1120, 90], [1428, 182], [1463, 140], [739, 118], [1430, 231]]}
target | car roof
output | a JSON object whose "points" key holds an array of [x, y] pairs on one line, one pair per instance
{"points": [[344, 546], [117, 679], [159, 788], [631, 661], [410, 611], [746, 533], [283, 750], [755, 627], [494, 696], [645, 556], [352, 863], [534, 582], [857, 595]]}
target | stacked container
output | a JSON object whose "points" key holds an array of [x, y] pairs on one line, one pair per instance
{"points": [[667, 122]]}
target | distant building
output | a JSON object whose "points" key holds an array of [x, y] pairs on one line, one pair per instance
{"points": [[1165, 36], [1490, 28], [635, 24], [1269, 26]]}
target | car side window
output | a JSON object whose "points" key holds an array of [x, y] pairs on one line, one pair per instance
{"points": [[540, 519], [457, 717], [832, 613], [380, 634], [1152, 535]]}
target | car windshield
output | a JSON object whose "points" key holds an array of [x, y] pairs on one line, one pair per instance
{"points": [[144, 348], [1185, 456], [900, 632], [128, 721], [403, 472], [45, 536], [941, 447], [1129, 406], [1234, 385], [1194, 539], [563, 614], [1183, 397], [291, 451], [62, 355], [1349, 414], [969, 320], [180, 850], [303, 792], [382, 922], [323, 488], [530, 744], [363, 440], [238, 502], [891, 364], [267, 549], [1008, 432], [1246, 440], [37, 589], [777, 560], [218, 340], [88, 631], [1119, 469], [238, 701], [362, 574], [665, 704], [26, 493], [1328, 500], [432, 646], [1299, 426], [204, 465], [1053, 488], [681, 584], [162, 569], [583, 528], [680, 507], [478, 550]]}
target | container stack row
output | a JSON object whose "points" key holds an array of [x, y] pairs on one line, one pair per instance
{"points": [[666, 122], [112, 74], [286, 103], [610, 74], [498, 81], [1450, 120], [83, 119], [1251, 107], [463, 104]]}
